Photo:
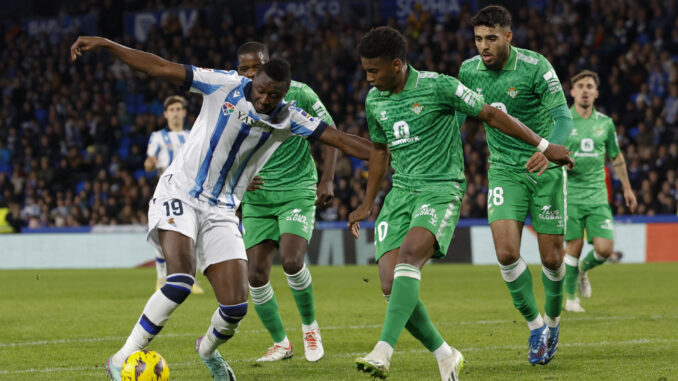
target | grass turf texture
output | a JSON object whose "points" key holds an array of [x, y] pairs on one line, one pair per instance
{"points": [[63, 325]]}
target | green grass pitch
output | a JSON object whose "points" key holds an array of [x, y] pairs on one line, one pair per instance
{"points": [[63, 324]]}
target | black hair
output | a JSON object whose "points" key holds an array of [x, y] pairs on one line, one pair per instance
{"points": [[383, 42], [252, 47], [491, 16], [277, 69]]}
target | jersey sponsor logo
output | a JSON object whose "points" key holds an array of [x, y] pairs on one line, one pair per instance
{"points": [[416, 108], [479, 91], [547, 213], [467, 95], [243, 117], [319, 109], [383, 115], [305, 114], [512, 92], [574, 132], [552, 81], [227, 109], [401, 131], [296, 216]]}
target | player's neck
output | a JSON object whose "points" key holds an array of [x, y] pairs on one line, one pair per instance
{"points": [[584, 112], [402, 80], [177, 128]]}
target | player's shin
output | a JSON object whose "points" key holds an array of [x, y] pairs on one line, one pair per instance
{"points": [[404, 298], [266, 306], [156, 313], [571, 272], [553, 290], [302, 290], [225, 322], [518, 279]]}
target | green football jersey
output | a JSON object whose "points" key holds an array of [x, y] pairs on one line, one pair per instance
{"points": [[590, 140], [527, 87], [291, 167], [420, 128]]}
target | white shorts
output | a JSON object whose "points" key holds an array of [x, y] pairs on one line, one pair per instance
{"points": [[213, 228]]}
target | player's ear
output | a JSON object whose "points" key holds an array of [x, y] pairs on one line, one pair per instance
{"points": [[397, 65], [509, 35]]}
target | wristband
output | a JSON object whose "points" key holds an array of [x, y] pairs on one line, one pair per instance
{"points": [[543, 145]]}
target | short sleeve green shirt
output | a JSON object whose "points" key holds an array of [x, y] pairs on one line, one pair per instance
{"points": [[527, 87], [420, 128], [291, 167], [591, 139]]}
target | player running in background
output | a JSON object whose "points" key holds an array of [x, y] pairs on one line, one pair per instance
{"points": [[592, 138], [192, 212], [278, 210], [411, 114], [163, 146], [523, 84]]}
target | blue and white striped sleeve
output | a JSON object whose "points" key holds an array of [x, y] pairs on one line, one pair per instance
{"points": [[153, 145], [303, 124], [207, 81]]}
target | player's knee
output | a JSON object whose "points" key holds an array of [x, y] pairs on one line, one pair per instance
{"points": [[552, 262], [178, 287], [507, 256], [604, 251], [257, 276], [292, 264]]}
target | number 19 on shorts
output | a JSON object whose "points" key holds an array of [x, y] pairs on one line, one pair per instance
{"points": [[495, 196]]}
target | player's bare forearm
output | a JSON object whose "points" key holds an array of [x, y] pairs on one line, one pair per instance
{"points": [[149, 163], [136, 59], [329, 163], [619, 168], [352, 145], [376, 171]]}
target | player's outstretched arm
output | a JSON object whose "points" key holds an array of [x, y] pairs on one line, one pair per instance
{"points": [[351, 144], [136, 59], [619, 167], [325, 190], [513, 127], [376, 171]]}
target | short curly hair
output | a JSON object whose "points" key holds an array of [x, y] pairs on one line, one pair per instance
{"points": [[277, 69], [491, 16], [383, 42]]}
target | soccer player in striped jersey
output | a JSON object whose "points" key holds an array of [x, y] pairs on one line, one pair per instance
{"points": [[163, 146], [192, 212], [523, 84], [592, 138], [278, 210], [411, 114]]}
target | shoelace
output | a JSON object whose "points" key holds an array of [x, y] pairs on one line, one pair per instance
{"points": [[309, 337]]}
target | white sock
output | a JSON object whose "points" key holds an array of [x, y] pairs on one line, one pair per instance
{"points": [[309, 327], [285, 343], [385, 348], [442, 352], [225, 322], [551, 322], [301, 280], [536, 323], [160, 265]]}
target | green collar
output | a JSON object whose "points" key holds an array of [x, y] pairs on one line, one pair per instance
{"points": [[575, 114], [510, 64]]}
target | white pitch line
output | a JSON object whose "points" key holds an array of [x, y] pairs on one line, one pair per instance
{"points": [[325, 328], [354, 354]]}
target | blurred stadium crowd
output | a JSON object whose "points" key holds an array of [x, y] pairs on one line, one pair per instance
{"points": [[73, 136]]}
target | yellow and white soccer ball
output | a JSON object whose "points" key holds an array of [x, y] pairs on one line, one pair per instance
{"points": [[145, 366]]}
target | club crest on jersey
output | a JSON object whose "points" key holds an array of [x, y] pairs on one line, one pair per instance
{"points": [[512, 92], [416, 108], [599, 131], [227, 109], [479, 91]]}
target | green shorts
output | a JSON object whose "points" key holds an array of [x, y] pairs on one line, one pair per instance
{"points": [[596, 219], [512, 195], [438, 212], [272, 213]]}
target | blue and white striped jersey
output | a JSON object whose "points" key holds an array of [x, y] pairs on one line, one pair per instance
{"points": [[230, 141], [165, 145]]}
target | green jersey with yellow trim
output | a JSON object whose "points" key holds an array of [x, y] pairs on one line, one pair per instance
{"points": [[590, 140], [527, 87], [420, 128], [291, 167]]}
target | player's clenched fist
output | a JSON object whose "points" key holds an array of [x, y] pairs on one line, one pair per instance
{"points": [[559, 155]]}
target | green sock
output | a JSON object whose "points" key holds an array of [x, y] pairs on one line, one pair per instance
{"points": [[518, 279], [571, 272], [421, 327], [591, 260], [266, 306], [553, 290], [404, 298], [302, 291]]}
